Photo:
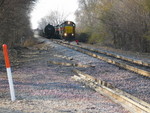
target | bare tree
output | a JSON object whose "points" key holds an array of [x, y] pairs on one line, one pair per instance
{"points": [[1, 2], [128, 21], [14, 21], [125, 22], [88, 19], [54, 18], [42, 23]]}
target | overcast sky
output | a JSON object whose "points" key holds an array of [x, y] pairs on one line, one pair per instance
{"points": [[43, 7]]}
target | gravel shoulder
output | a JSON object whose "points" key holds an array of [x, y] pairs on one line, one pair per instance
{"points": [[129, 54], [47, 88]]}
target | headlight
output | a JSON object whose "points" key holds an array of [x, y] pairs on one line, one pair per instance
{"points": [[68, 22], [72, 34], [65, 34]]}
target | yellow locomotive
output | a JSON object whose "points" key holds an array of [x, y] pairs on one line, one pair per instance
{"points": [[67, 30]]}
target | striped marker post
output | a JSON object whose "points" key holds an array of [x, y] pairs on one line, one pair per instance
{"points": [[9, 74]]}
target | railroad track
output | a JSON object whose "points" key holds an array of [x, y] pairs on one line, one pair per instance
{"points": [[129, 102], [137, 66]]}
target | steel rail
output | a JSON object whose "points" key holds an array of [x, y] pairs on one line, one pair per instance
{"points": [[115, 62]]}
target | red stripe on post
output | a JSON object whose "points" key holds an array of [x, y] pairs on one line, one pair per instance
{"points": [[6, 57]]}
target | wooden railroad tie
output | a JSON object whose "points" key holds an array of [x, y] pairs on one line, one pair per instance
{"points": [[70, 64]]}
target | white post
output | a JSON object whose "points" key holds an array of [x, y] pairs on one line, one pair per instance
{"points": [[9, 75], [11, 85]]}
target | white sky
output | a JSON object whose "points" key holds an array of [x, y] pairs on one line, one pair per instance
{"points": [[43, 7]]}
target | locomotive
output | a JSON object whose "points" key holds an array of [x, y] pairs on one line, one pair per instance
{"points": [[49, 31], [65, 31]]}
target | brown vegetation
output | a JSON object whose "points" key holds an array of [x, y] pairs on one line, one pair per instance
{"points": [[125, 24], [14, 21]]}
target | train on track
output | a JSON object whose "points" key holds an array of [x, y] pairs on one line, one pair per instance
{"points": [[65, 31], [49, 31]]}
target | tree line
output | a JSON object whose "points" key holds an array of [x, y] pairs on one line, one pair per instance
{"points": [[54, 18], [14, 21], [124, 24]]}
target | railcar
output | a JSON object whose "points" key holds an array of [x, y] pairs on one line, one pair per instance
{"points": [[57, 30], [67, 31], [49, 31]]}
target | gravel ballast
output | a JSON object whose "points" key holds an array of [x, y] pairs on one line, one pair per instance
{"points": [[125, 80], [47, 88]]}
